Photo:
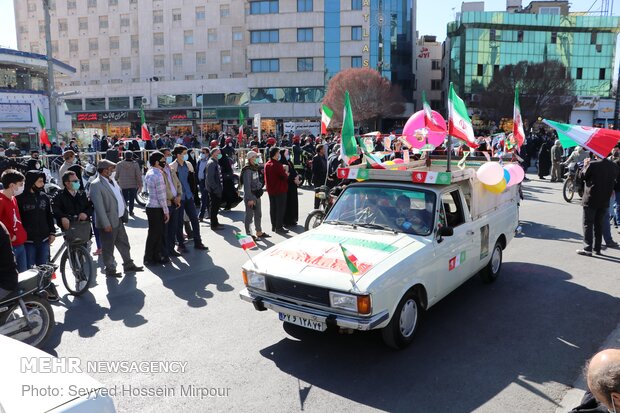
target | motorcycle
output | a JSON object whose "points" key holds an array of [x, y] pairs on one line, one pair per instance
{"points": [[51, 186], [25, 314], [573, 183], [327, 198]]}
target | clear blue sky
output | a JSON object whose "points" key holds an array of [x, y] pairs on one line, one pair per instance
{"points": [[432, 19]]}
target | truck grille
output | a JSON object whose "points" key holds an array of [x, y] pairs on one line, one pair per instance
{"points": [[299, 291]]}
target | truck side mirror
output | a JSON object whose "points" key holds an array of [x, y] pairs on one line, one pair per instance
{"points": [[444, 232]]}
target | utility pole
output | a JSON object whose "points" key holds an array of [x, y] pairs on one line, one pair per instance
{"points": [[51, 93], [617, 108]]}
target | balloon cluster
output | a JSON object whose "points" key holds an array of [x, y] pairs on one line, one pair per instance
{"points": [[396, 162], [496, 178]]}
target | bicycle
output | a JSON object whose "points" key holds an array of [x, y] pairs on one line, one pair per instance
{"points": [[80, 262]]}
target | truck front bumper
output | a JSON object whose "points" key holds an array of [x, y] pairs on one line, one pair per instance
{"points": [[332, 320]]}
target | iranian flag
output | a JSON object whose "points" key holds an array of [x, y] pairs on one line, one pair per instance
{"points": [[429, 122], [326, 118], [517, 121], [372, 160], [246, 241], [43, 136], [351, 260], [241, 121], [459, 124], [596, 140], [146, 136], [348, 149]]}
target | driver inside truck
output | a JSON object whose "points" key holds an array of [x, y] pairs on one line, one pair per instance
{"points": [[411, 219]]}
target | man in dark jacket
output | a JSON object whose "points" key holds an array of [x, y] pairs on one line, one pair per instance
{"points": [[71, 204], [214, 185], [276, 180], [35, 209], [319, 171], [599, 179]]}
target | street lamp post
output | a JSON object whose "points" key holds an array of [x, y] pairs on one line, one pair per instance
{"points": [[50, 70]]}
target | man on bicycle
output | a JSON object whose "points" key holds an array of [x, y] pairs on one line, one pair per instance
{"points": [[71, 204]]}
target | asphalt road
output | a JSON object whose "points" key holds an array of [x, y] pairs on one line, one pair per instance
{"points": [[513, 346]]}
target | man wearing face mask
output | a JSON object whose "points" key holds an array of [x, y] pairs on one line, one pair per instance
{"points": [[13, 184], [69, 157], [111, 214], [34, 163], [187, 177], [35, 208], [173, 198], [202, 183], [13, 151], [214, 185]]}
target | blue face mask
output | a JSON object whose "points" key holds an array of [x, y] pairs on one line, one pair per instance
{"points": [[203, 156], [185, 157], [75, 186], [219, 156], [168, 159], [287, 156]]}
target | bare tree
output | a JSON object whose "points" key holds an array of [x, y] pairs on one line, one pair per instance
{"points": [[372, 96], [546, 90]]}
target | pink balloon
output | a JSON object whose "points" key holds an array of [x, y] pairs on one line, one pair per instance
{"points": [[416, 121], [516, 174], [398, 160], [490, 173]]}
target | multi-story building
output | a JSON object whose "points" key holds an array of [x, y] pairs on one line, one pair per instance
{"points": [[428, 73], [480, 43], [23, 94], [191, 62]]}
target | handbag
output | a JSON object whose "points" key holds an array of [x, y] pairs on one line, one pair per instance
{"points": [[78, 233]]}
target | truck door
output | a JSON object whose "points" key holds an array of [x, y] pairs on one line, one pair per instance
{"points": [[454, 253]]}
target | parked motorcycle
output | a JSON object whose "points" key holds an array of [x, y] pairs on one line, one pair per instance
{"points": [[316, 216], [573, 183], [25, 314]]}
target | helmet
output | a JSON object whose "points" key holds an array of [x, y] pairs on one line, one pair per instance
{"points": [[213, 144], [271, 141], [228, 140], [90, 170], [296, 139]]}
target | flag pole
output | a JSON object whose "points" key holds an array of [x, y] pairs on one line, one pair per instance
{"points": [[449, 144], [251, 260]]}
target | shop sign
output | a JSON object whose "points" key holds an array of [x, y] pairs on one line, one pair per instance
{"points": [[86, 117], [15, 112], [102, 116], [300, 128], [209, 114], [586, 103], [114, 116]]}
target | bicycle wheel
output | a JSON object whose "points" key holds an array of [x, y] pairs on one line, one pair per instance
{"points": [[568, 191], [142, 197], [77, 281]]}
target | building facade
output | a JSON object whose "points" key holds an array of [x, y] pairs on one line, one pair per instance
{"points": [[428, 73], [481, 43], [194, 65], [23, 93]]}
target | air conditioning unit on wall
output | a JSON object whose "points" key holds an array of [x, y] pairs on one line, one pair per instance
{"points": [[146, 100]]}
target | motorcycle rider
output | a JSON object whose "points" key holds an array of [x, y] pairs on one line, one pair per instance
{"points": [[578, 155]]}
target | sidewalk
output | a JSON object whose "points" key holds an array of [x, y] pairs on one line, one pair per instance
{"points": [[573, 396]]}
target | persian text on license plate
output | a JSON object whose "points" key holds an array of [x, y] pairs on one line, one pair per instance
{"points": [[303, 322]]}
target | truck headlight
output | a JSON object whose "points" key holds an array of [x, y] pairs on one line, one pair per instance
{"points": [[356, 303], [255, 280]]}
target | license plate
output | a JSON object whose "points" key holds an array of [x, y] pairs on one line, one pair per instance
{"points": [[303, 322]]}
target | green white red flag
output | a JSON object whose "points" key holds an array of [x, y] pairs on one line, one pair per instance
{"points": [[348, 148], [145, 134], [372, 160], [350, 259], [326, 118], [246, 241], [517, 121], [459, 123], [597, 140], [43, 136], [241, 122], [429, 122]]}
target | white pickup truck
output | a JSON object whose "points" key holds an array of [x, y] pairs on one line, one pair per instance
{"points": [[413, 237]]}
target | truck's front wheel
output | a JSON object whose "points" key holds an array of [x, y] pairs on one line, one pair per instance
{"points": [[399, 332]]}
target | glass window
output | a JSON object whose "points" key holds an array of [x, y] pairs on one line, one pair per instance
{"points": [[74, 104], [410, 211], [305, 64], [222, 99], [212, 35], [188, 37], [171, 101], [158, 39], [200, 14], [118, 103], [126, 63], [480, 70], [84, 66], [201, 58], [264, 36], [176, 15], [105, 65], [224, 10], [93, 44], [554, 37], [356, 33], [287, 95], [137, 101], [124, 20], [549, 10], [158, 61], [264, 7], [94, 104], [601, 74], [305, 34], [237, 35], [71, 4], [83, 23], [225, 57], [114, 43], [435, 84], [520, 36], [304, 5], [73, 45], [177, 59], [579, 73], [158, 16], [103, 22], [593, 38], [356, 61], [135, 41], [356, 4], [113, 2], [265, 65], [436, 64]]}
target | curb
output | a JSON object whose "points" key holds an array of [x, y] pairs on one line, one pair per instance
{"points": [[573, 396]]}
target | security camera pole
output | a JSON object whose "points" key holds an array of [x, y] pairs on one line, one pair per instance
{"points": [[51, 94]]}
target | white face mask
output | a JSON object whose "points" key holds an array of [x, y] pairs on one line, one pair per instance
{"points": [[19, 190]]}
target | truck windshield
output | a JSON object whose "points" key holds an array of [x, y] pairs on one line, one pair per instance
{"points": [[411, 211]]}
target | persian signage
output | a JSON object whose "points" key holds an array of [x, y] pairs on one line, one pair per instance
{"points": [[15, 112]]}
